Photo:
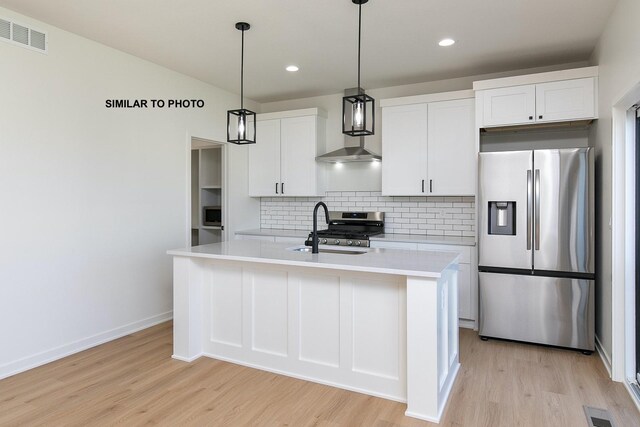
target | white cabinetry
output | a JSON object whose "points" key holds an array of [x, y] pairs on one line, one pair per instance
{"points": [[452, 157], [509, 105], [566, 100], [428, 145], [404, 149], [264, 159], [467, 276], [560, 96], [282, 162]]}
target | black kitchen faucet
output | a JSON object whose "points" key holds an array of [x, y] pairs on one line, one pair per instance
{"points": [[314, 233]]}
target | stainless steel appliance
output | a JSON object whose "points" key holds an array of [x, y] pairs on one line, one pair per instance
{"points": [[536, 246], [350, 229], [212, 216]]}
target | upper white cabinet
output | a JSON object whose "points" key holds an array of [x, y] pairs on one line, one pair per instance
{"points": [[452, 157], [428, 145], [264, 159], [565, 100], [560, 96], [282, 162], [509, 105], [404, 149]]}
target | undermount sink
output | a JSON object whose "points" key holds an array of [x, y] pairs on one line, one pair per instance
{"points": [[327, 251]]}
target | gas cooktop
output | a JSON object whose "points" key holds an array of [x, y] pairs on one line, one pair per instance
{"points": [[350, 228]]}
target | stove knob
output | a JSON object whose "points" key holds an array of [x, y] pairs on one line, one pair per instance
{"points": [[349, 242], [336, 242], [324, 240], [358, 243]]}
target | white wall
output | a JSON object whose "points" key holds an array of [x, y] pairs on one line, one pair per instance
{"points": [[92, 198], [618, 56], [361, 176]]}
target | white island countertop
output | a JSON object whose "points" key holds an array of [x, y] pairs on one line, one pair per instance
{"points": [[386, 261]]}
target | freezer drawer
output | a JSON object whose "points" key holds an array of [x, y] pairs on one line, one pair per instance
{"points": [[543, 310]]}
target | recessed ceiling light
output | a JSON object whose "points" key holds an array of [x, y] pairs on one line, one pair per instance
{"points": [[446, 42], [292, 68]]}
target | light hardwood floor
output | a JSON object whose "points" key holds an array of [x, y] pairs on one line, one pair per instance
{"points": [[133, 381]]}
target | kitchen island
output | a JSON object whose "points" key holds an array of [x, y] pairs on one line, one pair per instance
{"points": [[376, 321]]}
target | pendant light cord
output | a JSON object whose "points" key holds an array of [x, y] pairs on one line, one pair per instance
{"points": [[359, 40], [242, 73]]}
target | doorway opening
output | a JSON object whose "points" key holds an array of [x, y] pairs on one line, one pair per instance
{"points": [[208, 192], [637, 243]]}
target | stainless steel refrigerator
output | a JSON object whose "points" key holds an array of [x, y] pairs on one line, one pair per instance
{"points": [[536, 246]]}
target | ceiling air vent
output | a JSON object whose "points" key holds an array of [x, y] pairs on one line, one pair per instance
{"points": [[5, 29], [38, 40], [20, 34], [23, 36]]}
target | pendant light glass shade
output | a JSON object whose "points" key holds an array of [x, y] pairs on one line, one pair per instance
{"points": [[241, 126], [358, 111], [241, 123]]}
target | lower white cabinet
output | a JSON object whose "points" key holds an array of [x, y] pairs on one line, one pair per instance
{"points": [[467, 276]]}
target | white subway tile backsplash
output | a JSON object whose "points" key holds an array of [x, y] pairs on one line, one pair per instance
{"points": [[441, 216]]}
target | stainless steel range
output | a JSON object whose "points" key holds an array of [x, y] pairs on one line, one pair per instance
{"points": [[350, 228]]}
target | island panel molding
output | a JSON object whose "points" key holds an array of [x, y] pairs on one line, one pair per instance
{"points": [[389, 335]]}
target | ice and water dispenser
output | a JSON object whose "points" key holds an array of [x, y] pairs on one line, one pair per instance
{"points": [[502, 218]]}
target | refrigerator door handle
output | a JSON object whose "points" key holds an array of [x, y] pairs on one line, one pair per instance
{"points": [[537, 209], [529, 208]]}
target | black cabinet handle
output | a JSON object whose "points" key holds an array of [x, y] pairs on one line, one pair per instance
{"points": [[282, 187], [530, 117], [276, 188], [423, 185], [539, 117], [430, 186]]}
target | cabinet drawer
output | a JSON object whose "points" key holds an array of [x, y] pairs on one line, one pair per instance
{"points": [[465, 251]]}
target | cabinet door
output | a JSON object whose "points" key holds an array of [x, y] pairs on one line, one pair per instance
{"points": [[264, 159], [404, 150], [565, 100], [298, 156], [464, 292], [452, 148], [509, 106]]}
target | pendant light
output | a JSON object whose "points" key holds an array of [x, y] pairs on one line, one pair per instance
{"points": [[358, 117], [241, 124]]}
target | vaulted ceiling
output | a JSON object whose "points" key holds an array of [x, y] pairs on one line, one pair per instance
{"points": [[399, 38]]}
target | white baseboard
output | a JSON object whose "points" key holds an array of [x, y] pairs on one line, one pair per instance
{"points": [[65, 350], [401, 399], [467, 324], [186, 359], [606, 359], [635, 397]]}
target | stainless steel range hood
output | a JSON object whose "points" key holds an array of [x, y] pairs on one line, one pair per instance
{"points": [[350, 153]]}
